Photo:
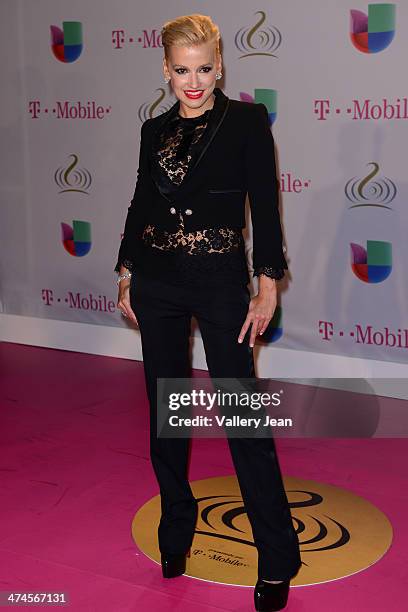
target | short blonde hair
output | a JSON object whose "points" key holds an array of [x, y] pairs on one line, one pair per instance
{"points": [[190, 30]]}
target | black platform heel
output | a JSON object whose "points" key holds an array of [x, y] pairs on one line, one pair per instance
{"points": [[270, 597], [173, 565]]}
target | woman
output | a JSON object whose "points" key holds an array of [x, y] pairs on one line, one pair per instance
{"points": [[184, 254]]}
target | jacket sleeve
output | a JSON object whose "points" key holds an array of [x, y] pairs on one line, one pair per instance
{"points": [[262, 185], [134, 223]]}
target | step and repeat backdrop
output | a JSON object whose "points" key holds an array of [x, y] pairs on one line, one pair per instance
{"points": [[80, 78]]}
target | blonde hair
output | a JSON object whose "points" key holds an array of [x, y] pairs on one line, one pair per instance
{"points": [[190, 30]]}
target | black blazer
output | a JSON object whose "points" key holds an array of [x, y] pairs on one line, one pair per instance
{"points": [[235, 157]]}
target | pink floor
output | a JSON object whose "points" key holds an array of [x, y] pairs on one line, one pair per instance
{"points": [[75, 469]]}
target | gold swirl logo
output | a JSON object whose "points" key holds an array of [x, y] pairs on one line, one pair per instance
{"points": [[73, 178], [147, 110], [371, 191], [222, 513], [339, 532], [260, 39]]}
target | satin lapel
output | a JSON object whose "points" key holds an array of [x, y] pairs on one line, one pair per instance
{"points": [[161, 121], [216, 118]]}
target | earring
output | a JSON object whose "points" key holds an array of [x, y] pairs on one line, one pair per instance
{"points": [[218, 75], [167, 79]]}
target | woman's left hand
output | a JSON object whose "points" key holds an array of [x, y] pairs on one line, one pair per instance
{"points": [[260, 310]]}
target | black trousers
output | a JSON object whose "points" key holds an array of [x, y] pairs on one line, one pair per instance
{"points": [[164, 312]]}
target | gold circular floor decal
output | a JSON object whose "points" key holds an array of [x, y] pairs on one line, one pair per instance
{"points": [[340, 533]]}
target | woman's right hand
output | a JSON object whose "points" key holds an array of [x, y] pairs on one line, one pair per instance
{"points": [[124, 301]]}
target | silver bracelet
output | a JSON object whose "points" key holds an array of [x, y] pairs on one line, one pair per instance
{"points": [[121, 277]]}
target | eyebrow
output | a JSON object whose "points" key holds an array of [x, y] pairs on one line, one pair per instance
{"points": [[181, 65]]}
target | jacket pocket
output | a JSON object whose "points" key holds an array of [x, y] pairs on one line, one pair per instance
{"points": [[225, 191]]}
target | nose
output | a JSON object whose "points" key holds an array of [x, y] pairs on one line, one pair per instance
{"points": [[194, 80]]}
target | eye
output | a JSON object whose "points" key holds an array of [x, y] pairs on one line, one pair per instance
{"points": [[205, 69]]}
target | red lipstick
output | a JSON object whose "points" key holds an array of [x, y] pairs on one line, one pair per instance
{"points": [[194, 95]]}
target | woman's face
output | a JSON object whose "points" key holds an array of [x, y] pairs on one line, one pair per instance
{"points": [[192, 71]]}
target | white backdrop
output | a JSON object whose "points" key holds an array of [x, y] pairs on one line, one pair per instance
{"points": [[59, 168]]}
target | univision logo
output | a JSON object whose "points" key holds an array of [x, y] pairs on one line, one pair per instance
{"points": [[269, 97], [369, 192], [73, 178], [258, 39], [77, 238], [66, 44], [373, 32], [373, 264], [148, 109]]}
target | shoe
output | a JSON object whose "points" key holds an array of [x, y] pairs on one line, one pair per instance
{"points": [[173, 565], [270, 597]]}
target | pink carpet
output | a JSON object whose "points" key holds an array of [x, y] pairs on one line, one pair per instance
{"points": [[75, 469]]}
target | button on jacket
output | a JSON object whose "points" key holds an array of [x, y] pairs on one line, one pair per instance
{"points": [[234, 158]]}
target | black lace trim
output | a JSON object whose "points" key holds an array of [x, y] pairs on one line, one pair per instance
{"points": [[124, 262], [199, 242], [276, 273]]}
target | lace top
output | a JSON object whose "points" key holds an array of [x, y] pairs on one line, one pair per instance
{"points": [[173, 155]]}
